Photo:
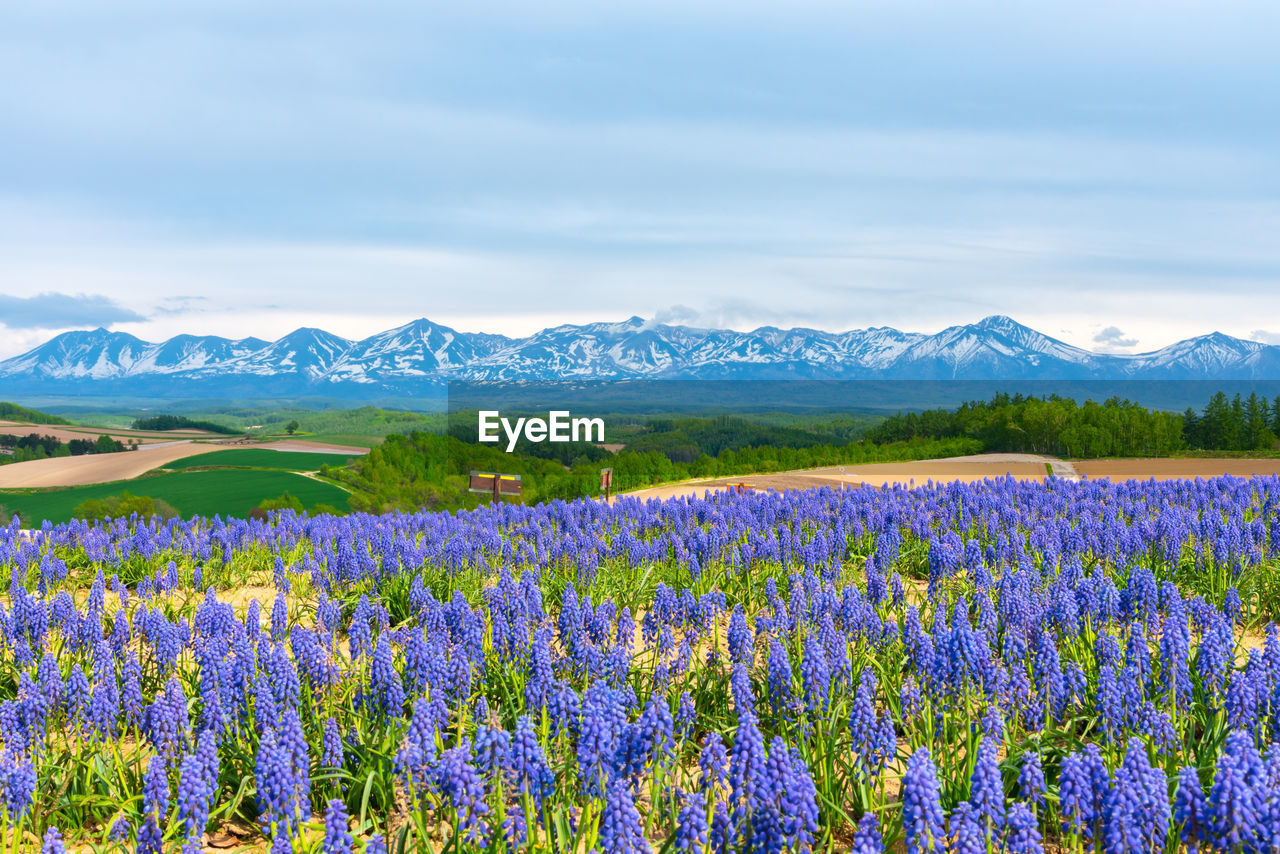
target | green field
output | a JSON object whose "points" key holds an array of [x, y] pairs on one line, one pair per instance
{"points": [[261, 458], [362, 427], [228, 492]]}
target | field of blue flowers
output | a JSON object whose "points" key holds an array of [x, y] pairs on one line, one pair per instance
{"points": [[973, 668]]}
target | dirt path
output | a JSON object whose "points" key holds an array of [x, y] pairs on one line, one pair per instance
{"points": [[1064, 469]]}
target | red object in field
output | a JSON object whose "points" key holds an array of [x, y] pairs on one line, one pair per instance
{"points": [[742, 488], [606, 482]]}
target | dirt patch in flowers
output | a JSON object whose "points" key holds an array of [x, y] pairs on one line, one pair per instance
{"points": [[240, 598]]}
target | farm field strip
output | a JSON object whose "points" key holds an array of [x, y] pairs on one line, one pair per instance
{"points": [[972, 470], [65, 432], [223, 492], [126, 465], [262, 458], [1026, 663], [95, 468]]}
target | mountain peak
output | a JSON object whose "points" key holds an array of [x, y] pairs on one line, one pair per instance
{"points": [[1000, 322], [309, 332], [422, 355]]}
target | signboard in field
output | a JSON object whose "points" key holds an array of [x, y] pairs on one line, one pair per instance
{"points": [[495, 484]]}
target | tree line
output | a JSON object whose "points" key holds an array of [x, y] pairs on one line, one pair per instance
{"points": [[163, 423], [34, 446], [429, 470], [1062, 427], [1248, 424], [14, 412]]}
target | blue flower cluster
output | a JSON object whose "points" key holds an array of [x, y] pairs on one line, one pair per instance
{"points": [[963, 668]]}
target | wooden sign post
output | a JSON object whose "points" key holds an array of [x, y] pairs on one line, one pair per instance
{"points": [[606, 482], [492, 483]]}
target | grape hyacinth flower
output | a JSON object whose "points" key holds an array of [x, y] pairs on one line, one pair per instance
{"points": [[529, 769], [815, 674], [52, 842], [276, 794], [691, 825], [120, 829], [620, 828], [1023, 836], [921, 810], [1236, 809], [18, 777], [155, 807], [386, 693], [460, 783], [867, 839], [331, 751], [967, 833], [195, 797], [986, 790], [1138, 806], [779, 677], [713, 763], [686, 715], [337, 835], [1190, 810], [1031, 783]]}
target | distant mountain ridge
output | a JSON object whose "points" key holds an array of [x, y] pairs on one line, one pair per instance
{"points": [[419, 358]]}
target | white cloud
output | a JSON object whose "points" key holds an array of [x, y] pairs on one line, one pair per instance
{"points": [[49, 310], [1112, 337]]}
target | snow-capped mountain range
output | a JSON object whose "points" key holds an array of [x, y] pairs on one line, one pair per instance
{"points": [[419, 358]]}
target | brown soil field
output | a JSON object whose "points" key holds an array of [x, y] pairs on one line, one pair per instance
{"points": [[96, 468], [969, 469], [66, 434], [964, 469], [126, 465], [1174, 468]]}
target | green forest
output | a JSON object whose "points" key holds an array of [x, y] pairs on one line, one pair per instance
{"points": [[429, 470], [20, 449], [14, 412], [1115, 428], [181, 422]]}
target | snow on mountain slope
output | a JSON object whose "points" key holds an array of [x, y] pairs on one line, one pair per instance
{"points": [[1214, 355], [417, 349], [307, 351], [422, 354]]}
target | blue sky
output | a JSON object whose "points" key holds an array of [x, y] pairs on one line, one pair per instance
{"points": [[1108, 172]]}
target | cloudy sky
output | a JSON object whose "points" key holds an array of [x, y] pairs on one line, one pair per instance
{"points": [[1108, 172]]}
